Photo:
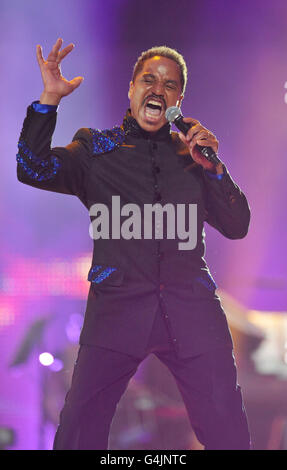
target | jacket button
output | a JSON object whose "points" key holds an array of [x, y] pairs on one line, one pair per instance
{"points": [[160, 255]]}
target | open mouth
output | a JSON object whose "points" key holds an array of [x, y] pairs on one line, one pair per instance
{"points": [[154, 109]]}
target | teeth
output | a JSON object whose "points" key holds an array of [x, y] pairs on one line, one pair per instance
{"points": [[156, 103]]}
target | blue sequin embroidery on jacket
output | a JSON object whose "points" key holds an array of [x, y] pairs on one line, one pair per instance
{"points": [[97, 278], [107, 140], [104, 274], [36, 169]]}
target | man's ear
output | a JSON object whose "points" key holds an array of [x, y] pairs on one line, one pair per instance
{"points": [[179, 101], [131, 89]]}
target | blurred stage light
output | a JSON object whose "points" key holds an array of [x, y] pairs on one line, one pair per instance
{"points": [[46, 359], [7, 437], [56, 365]]}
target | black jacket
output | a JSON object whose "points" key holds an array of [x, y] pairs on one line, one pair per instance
{"points": [[130, 277]]}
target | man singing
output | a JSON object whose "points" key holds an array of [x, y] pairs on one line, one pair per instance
{"points": [[146, 295]]}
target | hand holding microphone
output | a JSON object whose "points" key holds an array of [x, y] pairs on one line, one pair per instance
{"points": [[202, 144]]}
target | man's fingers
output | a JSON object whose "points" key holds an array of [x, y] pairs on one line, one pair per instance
{"points": [[57, 46], [54, 56], [39, 55], [202, 135], [199, 135], [182, 137], [65, 51], [194, 130], [57, 56], [205, 142], [191, 121], [76, 82], [55, 50]]}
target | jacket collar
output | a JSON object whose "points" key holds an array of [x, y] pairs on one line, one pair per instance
{"points": [[132, 128]]}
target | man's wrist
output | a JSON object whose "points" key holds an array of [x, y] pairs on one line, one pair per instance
{"points": [[219, 169], [218, 173], [50, 98]]}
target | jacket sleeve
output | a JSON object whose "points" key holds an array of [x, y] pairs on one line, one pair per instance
{"points": [[227, 209], [59, 169]]}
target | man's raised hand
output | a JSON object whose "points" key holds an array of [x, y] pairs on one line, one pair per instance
{"points": [[55, 85]]}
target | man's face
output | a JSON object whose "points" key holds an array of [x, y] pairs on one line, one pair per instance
{"points": [[156, 87]]}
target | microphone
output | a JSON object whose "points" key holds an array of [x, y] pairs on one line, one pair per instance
{"points": [[173, 114]]}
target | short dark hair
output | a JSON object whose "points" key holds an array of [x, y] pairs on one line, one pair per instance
{"points": [[162, 51]]}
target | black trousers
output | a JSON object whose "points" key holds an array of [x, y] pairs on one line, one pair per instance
{"points": [[207, 383]]}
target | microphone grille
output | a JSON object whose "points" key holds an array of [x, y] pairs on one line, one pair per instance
{"points": [[172, 113]]}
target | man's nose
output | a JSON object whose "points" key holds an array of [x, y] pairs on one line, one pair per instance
{"points": [[158, 96], [158, 89]]}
